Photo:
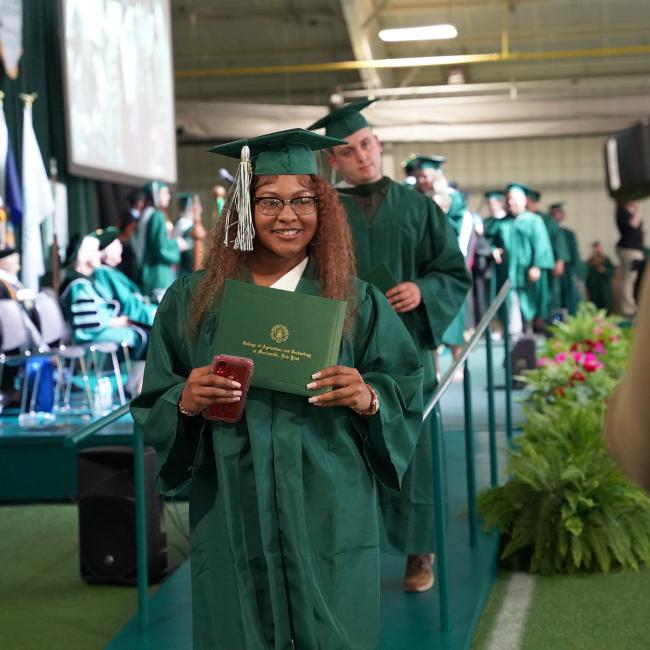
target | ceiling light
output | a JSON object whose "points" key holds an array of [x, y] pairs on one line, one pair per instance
{"points": [[425, 33]]}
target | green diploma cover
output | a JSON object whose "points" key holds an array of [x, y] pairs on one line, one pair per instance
{"points": [[381, 277], [288, 335]]}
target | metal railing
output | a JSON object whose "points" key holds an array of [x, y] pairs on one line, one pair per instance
{"points": [[432, 410], [142, 566]]}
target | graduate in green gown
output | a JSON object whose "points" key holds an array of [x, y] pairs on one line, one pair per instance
{"points": [[283, 504], [157, 250], [575, 270], [92, 317], [114, 285], [528, 254], [550, 285], [407, 232], [188, 227], [495, 219], [600, 271]]}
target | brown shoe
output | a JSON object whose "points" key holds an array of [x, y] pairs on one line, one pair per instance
{"points": [[419, 572]]}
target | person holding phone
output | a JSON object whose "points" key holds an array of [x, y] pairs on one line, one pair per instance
{"points": [[283, 503]]}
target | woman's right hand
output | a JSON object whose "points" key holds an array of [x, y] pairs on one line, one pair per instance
{"points": [[204, 388]]}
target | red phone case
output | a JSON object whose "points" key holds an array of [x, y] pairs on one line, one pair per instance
{"points": [[241, 370]]}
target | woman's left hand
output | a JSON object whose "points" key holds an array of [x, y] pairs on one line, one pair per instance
{"points": [[349, 389]]}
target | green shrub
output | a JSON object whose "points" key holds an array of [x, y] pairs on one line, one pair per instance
{"points": [[566, 507]]}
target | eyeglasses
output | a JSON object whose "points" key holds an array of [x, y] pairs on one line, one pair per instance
{"points": [[301, 205]]}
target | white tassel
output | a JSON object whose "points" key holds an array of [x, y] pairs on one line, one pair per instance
{"points": [[239, 203]]}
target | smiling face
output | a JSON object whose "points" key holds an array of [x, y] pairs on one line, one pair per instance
{"points": [[285, 235], [360, 160]]}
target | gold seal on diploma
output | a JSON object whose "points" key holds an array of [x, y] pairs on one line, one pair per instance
{"points": [[279, 333]]}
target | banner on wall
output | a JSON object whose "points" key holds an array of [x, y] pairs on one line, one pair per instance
{"points": [[11, 35]]}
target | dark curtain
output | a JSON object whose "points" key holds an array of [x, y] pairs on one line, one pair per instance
{"points": [[41, 71]]}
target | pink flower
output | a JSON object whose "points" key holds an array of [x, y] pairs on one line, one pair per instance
{"points": [[597, 330], [561, 357], [577, 356], [599, 348], [544, 361], [591, 365]]}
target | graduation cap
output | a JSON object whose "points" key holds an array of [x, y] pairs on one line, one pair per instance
{"points": [[417, 161], [533, 195], [494, 194], [105, 235], [518, 187], [281, 153], [186, 199], [152, 190], [343, 121], [556, 206]]}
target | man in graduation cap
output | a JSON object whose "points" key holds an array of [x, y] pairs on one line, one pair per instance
{"points": [[568, 294], [409, 234], [549, 286], [429, 178], [156, 248], [284, 527], [114, 285], [528, 251]]}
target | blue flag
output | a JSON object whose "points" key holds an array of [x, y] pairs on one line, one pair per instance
{"points": [[9, 180]]}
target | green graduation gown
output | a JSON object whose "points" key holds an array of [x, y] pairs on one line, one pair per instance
{"points": [[183, 228], [112, 284], [529, 246], [454, 334], [410, 234], [552, 301], [599, 282], [90, 314], [283, 514], [161, 254], [497, 233], [574, 270]]}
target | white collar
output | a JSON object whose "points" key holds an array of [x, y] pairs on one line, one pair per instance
{"points": [[289, 281]]}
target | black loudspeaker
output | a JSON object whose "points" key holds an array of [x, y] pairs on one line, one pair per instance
{"points": [[627, 161], [107, 516], [523, 357]]}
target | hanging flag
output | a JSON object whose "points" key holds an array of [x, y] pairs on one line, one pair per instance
{"points": [[38, 204], [11, 35], [9, 182]]}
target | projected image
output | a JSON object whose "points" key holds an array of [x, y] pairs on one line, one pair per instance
{"points": [[119, 89]]}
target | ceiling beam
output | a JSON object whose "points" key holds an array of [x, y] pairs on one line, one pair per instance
{"points": [[361, 21], [421, 61]]}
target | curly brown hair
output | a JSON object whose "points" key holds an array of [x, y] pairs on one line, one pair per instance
{"points": [[331, 252]]}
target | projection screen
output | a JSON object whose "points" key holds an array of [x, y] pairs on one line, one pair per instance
{"points": [[119, 92]]}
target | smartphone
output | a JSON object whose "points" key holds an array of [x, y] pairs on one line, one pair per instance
{"points": [[241, 370]]}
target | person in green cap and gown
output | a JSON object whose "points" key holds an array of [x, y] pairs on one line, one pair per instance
{"points": [[92, 317], [600, 271], [113, 285], [410, 235], [188, 227], [157, 250], [574, 271], [528, 253], [283, 504], [550, 284]]}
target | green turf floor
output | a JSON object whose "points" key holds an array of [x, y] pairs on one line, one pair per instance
{"points": [[584, 612], [44, 604]]}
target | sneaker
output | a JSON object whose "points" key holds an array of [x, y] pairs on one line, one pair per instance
{"points": [[419, 573]]}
